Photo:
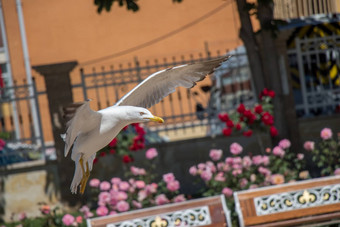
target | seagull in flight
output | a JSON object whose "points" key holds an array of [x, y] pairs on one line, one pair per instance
{"points": [[88, 131]]}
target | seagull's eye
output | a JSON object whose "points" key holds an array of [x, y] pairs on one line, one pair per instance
{"points": [[141, 113]]}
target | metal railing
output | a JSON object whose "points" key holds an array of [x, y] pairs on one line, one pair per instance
{"points": [[317, 65], [15, 103], [289, 9]]}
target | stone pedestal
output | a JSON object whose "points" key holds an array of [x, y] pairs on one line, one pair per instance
{"points": [[59, 94]]}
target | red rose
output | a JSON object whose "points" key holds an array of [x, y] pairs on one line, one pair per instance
{"points": [[227, 131], [241, 108], [238, 126], [271, 93], [267, 118], [248, 133], [127, 159], [112, 151], [273, 131], [223, 117], [95, 160], [258, 109], [230, 124], [102, 154], [113, 143]]}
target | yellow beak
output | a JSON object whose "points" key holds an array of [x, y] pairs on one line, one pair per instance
{"points": [[156, 119]]}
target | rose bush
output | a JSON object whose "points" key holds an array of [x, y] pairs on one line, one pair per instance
{"points": [[326, 152], [246, 120], [128, 141]]}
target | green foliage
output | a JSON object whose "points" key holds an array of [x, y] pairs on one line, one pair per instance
{"points": [[326, 155], [107, 4], [130, 4]]}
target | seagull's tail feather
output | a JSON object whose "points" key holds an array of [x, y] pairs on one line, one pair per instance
{"points": [[77, 177]]}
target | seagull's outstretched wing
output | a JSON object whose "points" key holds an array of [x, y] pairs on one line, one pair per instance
{"points": [[83, 120], [160, 84]]}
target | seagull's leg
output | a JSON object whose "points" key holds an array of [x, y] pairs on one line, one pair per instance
{"points": [[81, 163], [86, 176]]}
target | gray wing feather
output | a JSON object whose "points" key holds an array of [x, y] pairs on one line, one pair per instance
{"points": [[160, 84], [84, 120]]}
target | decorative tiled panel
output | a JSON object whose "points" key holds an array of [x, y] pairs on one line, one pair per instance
{"points": [[189, 217], [294, 200]]}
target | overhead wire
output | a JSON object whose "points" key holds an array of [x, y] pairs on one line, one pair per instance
{"points": [[158, 39]]}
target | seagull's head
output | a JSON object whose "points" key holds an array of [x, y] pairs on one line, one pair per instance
{"points": [[139, 115]]}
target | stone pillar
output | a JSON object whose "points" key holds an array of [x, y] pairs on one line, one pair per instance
{"points": [[59, 94]]}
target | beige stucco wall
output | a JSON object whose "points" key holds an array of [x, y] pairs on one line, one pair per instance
{"points": [[24, 185]]}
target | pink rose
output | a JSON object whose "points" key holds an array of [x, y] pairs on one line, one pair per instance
{"points": [[161, 199], [215, 154], [326, 133], [243, 182], [300, 156], [337, 171], [220, 166], [123, 206], [206, 175], [309, 145], [104, 186], [151, 153], [68, 219], [173, 185], [121, 196], [94, 183], [201, 166], [137, 171], [115, 180], [229, 160], [210, 165], [140, 184], [136, 204], [257, 160], [104, 197], [219, 177], [227, 192], [235, 148], [246, 161], [264, 171], [168, 177], [265, 160], [86, 211], [124, 186], [142, 194], [237, 160], [278, 151], [151, 188], [236, 172], [102, 211], [284, 144], [79, 219], [179, 198], [193, 170]]}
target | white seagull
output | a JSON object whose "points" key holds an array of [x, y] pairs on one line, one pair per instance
{"points": [[89, 131]]}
